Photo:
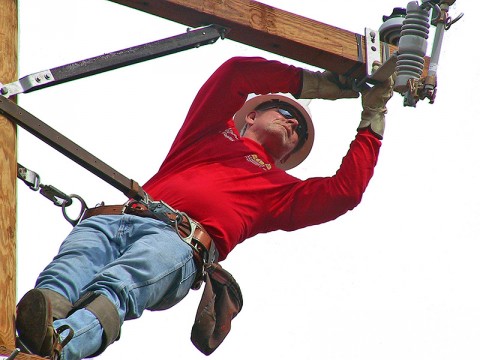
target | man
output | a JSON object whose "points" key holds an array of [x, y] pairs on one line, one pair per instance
{"points": [[225, 170]]}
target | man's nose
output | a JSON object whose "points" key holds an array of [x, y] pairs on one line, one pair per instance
{"points": [[293, 121]]}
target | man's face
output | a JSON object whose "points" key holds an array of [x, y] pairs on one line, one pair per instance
{"points": [[275, 130]]}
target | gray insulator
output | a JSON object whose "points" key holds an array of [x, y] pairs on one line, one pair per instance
{"points": [[390, 30], [412, 46]]}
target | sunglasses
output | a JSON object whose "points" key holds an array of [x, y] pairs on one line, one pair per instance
{"points": [[288, 112]]}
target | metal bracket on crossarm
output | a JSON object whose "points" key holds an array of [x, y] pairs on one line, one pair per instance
{"points": [[377, 51], [193, 38]]}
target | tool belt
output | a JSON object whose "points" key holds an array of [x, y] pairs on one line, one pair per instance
{"points": [[188, 229]]}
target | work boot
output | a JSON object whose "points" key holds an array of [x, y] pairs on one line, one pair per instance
{"points": [[34, 323], [61, 306]]}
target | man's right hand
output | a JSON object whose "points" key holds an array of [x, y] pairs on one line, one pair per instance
{"points": [[374, 101]]}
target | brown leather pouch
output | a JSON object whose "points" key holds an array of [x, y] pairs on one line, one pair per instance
{"points": [[220, 303]]}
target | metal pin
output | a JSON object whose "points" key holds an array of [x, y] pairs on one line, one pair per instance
{"points": [[13, 354]]}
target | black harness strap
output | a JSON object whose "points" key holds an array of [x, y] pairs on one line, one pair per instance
{"points": [[70, 149]]}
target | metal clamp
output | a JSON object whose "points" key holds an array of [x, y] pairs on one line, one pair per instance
{"points": [[27, 83], [375, 52]]}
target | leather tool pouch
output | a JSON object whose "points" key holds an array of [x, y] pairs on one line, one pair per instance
{"points": [[220, 303]]}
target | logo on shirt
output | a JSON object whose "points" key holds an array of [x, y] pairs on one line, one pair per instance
{"points": [[230, 134], [254, 159]]}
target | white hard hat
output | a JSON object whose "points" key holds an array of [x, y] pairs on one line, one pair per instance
{"points": [[254, 101]]}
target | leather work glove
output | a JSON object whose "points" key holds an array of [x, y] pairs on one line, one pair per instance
{"points": [[326, 85], [374, 101]]}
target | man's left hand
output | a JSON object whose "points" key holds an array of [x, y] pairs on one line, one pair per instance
{"points": [[326, 85]]}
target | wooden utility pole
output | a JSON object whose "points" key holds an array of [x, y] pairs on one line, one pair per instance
{"points": [[8, 164], [8, 179]]}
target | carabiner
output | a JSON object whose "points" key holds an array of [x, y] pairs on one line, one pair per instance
{"points": [[56, 196]]}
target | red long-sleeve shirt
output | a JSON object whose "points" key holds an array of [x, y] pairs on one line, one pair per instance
{"points": [[230, 184]]}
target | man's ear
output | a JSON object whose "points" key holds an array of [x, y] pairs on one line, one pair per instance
{"points": [[250, 118]]}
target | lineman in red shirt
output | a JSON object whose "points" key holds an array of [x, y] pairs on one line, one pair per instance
{"points": [[226, 170]]}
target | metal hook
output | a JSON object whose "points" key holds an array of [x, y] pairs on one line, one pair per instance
{"points": [[56, 196], [449, 22]]}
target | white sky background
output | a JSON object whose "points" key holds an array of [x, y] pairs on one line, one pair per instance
{"points": [[396, 278]]}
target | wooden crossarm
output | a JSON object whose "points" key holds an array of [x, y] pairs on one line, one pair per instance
{"points": [[271, 29]]}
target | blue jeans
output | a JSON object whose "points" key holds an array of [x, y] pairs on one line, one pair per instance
{"points": [[137, 263]]}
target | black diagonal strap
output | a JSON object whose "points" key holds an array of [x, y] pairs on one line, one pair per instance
{"points": [[70, 149]]}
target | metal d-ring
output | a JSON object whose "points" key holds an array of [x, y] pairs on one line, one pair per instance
{"points": [[83, 207]]}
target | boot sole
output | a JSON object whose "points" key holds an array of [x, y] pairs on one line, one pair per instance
{"points": [[34, 317]]}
